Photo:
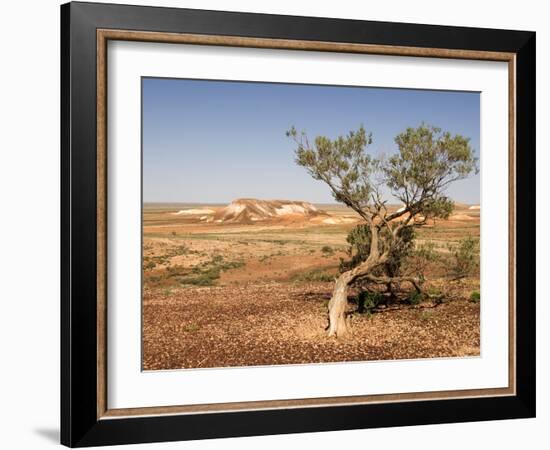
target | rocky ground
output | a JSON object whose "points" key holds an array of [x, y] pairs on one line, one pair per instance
{"points": [[283, 323]]}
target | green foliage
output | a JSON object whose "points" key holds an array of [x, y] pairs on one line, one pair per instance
{"points": [[426, 251], [425, 316], [279, 241], [204, 278], [342, 163], [440, 207], [367, 301], [400, 249], [434, 292], [327, 250], [359, 240], [464, 257], [205, 274], [191, 328], [148, 265], [314, 275], [427, 162], [475, 297], [150, 262], [414, 297], [422, 255]]}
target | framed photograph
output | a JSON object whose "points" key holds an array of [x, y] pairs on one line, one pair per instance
{"points": [[277, 224]]}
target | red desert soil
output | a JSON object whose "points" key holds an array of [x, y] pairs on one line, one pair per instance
{"points": [[283, 323]]}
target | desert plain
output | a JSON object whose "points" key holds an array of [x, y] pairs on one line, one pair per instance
{"points": [[248, 283]]}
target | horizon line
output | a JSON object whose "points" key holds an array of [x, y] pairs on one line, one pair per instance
{"points": [[264, 199]]}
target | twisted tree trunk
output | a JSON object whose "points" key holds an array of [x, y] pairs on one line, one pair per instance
{"points": [[337, 307], [337, 323]]}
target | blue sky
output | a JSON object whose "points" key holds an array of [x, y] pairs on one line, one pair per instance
{"points": [[214, 141]]}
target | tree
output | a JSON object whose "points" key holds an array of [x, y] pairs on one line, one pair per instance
{"points": [[426, 163]]}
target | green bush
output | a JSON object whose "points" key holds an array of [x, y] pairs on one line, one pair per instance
{"points": [[313, 276], [421, 257], [475, 297], [359, 240], [464, 257], [207, 273], [202, 279], [414, 297], [434, 292], [175, 271], [149, 265], [367, 301], [327, 250], [426, 315]]}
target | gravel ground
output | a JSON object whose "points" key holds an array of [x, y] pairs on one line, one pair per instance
{"points": [[278, 323]]}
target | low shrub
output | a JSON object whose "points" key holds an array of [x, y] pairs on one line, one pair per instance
{"points": [[423, 256], [434, 291], [475, 297], [414, 297], [367, 301], [207, 273], [313, 276], [426, 315], [149, 265], [464, 257], [202, 279], [192, 327]]}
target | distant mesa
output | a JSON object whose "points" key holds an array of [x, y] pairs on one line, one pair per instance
{"points": [[460, 205], [250, 210], [461, 217], [194, 212]]}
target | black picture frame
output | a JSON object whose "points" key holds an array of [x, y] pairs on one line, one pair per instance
{"points": [[80, 425]]}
